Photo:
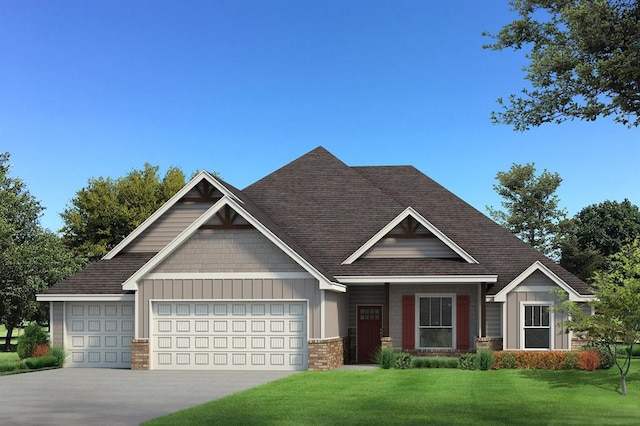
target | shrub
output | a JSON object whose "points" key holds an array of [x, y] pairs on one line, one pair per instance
{"points": [[386, 358], [589, 360], [41, 350], [59, 354], [570, 361], [635, 352], [606, 357], [435, 362], [484, 359], [544, 360], [33, 336], [467, 361], [41, 362], [509, 360], [403, 360], [12, 366]]}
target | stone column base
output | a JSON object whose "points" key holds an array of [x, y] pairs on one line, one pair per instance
{"points": [[140, 354], [326, 354], [493, 343], [386, 342]]}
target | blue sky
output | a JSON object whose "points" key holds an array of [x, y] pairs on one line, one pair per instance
{"points": [[98, 88]]}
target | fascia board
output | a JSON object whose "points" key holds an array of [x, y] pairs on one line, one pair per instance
{"points": [[166, 206], [426, 279], [409, 211], [501, 296], [85, 297]]}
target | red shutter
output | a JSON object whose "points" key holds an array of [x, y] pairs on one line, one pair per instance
{"points": [[408, 322], [462, 322]]}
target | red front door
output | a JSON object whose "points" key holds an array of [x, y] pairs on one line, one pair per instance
{"points": [[369, 332]]}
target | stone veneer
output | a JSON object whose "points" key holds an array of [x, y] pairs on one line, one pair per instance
{"points": [[140, 354], [326, 354], [493, 343]]}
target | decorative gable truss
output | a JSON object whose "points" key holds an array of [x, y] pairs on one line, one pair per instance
{"points": [[410, 235]]}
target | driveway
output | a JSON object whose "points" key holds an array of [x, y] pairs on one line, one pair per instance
{"points": [[100, 396]]}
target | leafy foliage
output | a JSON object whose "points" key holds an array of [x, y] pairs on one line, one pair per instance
{"points": [[467, 361], [530, 206], [484, 359], [606, 356], [403, 361], [589, 360], [616, 318], [539, 360], [41, 362], [434, 362], [33, 336], [584, 61], [59, 354], [107, 210], [386, 358], [598, 231]]}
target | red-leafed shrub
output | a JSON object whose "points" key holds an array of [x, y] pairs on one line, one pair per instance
{"points": [[588, 360], [41, 349], [543, 360]]}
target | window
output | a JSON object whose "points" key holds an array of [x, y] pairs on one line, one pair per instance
{"points": [[435, 321], [537, 328]]}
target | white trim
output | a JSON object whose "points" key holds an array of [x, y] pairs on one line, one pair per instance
{"points": [[409, 211], [480, 302], [448, 279], [325, 284], [85, 297], [501, 296], [227, 275], [322, 314], [166, 206], [504, 326], [454, 325], [136, 334], [51, 322], [552, 325]]}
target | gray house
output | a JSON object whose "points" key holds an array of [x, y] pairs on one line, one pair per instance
{"points": [[314, 265]]}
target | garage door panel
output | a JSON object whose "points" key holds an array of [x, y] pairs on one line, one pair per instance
{"points": [[99, 334], [229, 335]]}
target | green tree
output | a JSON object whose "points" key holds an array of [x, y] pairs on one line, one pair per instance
{"points": [[598, 231], [107, 210], [530, 206], [616, 318], [584, 61], [31, 259]]}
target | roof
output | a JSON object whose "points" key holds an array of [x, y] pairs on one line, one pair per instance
{"points": [[325, 211]]}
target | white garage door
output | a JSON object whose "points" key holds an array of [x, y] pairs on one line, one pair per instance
{"points": [[99, 334], [214, 335]]}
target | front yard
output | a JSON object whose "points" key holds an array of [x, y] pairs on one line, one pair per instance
{"points": [[428, 396]]}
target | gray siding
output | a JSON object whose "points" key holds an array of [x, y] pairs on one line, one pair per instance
{"points": [[514, 320], [494, 319], [410, 248], [395, 301], [167, 227], [229, 289], [57, 323], [335, 310], [363, 295], [238, 250]]}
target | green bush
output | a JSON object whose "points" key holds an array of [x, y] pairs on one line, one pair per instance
{"points": [[571, 361], [12, 366], [41, 362], [467, 361], [435, 362], [606, 358], [403, 360], [59, 354], [509, 360], [635, 352], [386, 358], [484, 359], [33, 336]]}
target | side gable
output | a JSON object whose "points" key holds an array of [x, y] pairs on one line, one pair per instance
{"points": [[538, 266], [430, 241]]}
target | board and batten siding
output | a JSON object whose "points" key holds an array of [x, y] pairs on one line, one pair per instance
{"points": [[410, 248], [494, 319], [167, 227], [237, 250], [535, 288], [335, 311], [57, 323], [229, 289], [396, 291]]}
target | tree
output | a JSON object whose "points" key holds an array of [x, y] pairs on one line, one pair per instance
{"points": [[107, 210], [531, 205], [584, 61], [598, 231], [30, 258], [616, 307]]}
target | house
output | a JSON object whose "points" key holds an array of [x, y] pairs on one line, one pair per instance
{"points": [[314, 265]]}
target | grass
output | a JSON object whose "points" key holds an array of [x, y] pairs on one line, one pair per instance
{"points": [[8, 356], [440, 396]]}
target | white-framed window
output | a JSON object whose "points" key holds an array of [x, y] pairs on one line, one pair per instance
{"points": [[435, 317], [536, 325]]}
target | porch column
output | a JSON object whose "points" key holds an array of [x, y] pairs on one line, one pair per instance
{"points": [[483, 309], [385, 312]]}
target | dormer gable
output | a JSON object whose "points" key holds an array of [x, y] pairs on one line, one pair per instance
{"points": [[410, 235]]}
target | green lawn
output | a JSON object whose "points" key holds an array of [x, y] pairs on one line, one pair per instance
{"points": [[8, 356], [429, 396]]}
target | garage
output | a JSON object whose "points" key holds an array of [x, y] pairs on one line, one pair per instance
{"points": [[229, 335], [99, 334]]}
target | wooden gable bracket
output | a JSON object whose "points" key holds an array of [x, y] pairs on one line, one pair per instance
{"points": [[227, 219], [410, 228], [206, 191]]}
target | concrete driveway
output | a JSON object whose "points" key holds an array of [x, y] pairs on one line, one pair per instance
{"points": [[87, 396]]}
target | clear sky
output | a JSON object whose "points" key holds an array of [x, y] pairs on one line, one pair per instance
{"points": [[242, 87]]}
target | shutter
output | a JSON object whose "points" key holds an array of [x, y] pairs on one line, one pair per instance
{"points": [[462, 322], [408, 322]]}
